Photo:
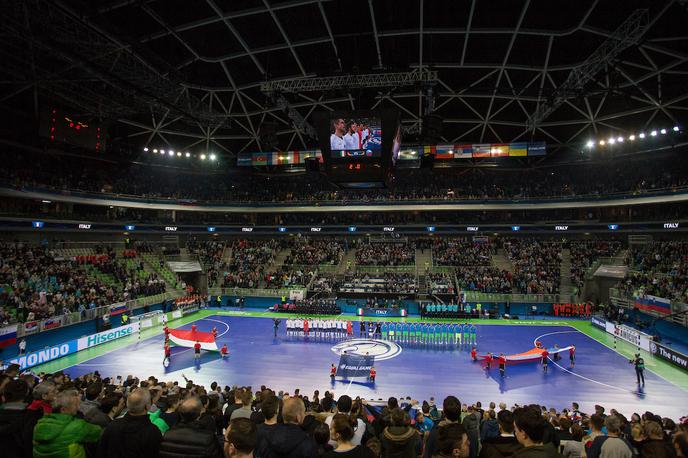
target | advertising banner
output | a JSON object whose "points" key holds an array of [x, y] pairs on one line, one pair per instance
{"points": [[67, 348], [381, 312], [630, 335], [599, 323], [674, 357], [354, 366]]}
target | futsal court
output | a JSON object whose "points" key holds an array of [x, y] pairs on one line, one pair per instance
{"points": [[420, 371]]}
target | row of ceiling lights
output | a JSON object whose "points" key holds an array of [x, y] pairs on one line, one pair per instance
{"points": [[621, 139], [172, 153]]}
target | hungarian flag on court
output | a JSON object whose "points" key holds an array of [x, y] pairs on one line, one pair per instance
{"points": [[188, 338]]}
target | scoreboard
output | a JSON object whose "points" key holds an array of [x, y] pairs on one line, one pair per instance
{"points": [[357, 146], [59, 126]]}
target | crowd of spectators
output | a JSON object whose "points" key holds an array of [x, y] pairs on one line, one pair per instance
{"points": [[461, 252], [210, 254], [314, 306], [385, 254], [249, 260], [537, 265], [584, 254], [440, 283], [53, 415], [315, 252], [36, 284], [659, 269], [285, 277], [387, 282], [484, 279], [66, 172]]}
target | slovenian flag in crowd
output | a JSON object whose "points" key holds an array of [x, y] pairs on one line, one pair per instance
{"points": [[653, 303], [8, 335], [52, 323], [118, 309]]}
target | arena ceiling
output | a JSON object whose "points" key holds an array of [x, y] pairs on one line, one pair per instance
{"points": [[188, 74]]}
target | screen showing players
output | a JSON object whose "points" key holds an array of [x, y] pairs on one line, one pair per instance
{"points": [[355, 137]]}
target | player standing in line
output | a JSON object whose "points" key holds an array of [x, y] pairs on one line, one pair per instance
{"points": [[275, 324], [488, 361], [385, 330], [305, 327], [419, 331], [361, 329], [572, 355], [474, 334], [545, 360], [502, 364], [457, 334], [197, 350], [464, 334]]}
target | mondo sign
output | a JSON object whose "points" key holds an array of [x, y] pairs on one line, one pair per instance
{"points": [[73, 346]]}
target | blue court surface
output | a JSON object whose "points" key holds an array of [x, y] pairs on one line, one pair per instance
{"points": [[285, 363]]}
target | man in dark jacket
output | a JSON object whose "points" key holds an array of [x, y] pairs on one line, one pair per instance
{"points": [[189, 437], [530, 430], [399, 440], [451, 409], [269, 406], [472, 424], [132, 436], [504, 445], [288, 440], [16, 422]]}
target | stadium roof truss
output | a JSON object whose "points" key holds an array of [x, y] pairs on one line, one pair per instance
{"points": [[200, 75]]}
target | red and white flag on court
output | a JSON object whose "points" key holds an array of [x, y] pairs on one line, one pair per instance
{"points": [[187, 338]]}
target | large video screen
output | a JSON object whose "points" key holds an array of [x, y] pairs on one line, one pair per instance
{"points": [[355, 137]]}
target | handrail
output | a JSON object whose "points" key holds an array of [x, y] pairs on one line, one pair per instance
{"points": [[255, 292], [476, 296], [91, 314], [387, 200]]}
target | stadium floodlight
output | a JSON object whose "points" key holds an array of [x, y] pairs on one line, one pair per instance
{"points": [[631, 138], [145, 149], [179, 154], [611, 140], [602, 142], [155, 151], [653, 133], [170, 152], [675, 129], [213, 157], [590, 144], [620, 139], [663, 131], [642, 135], [188, 154], [203, 157]]}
